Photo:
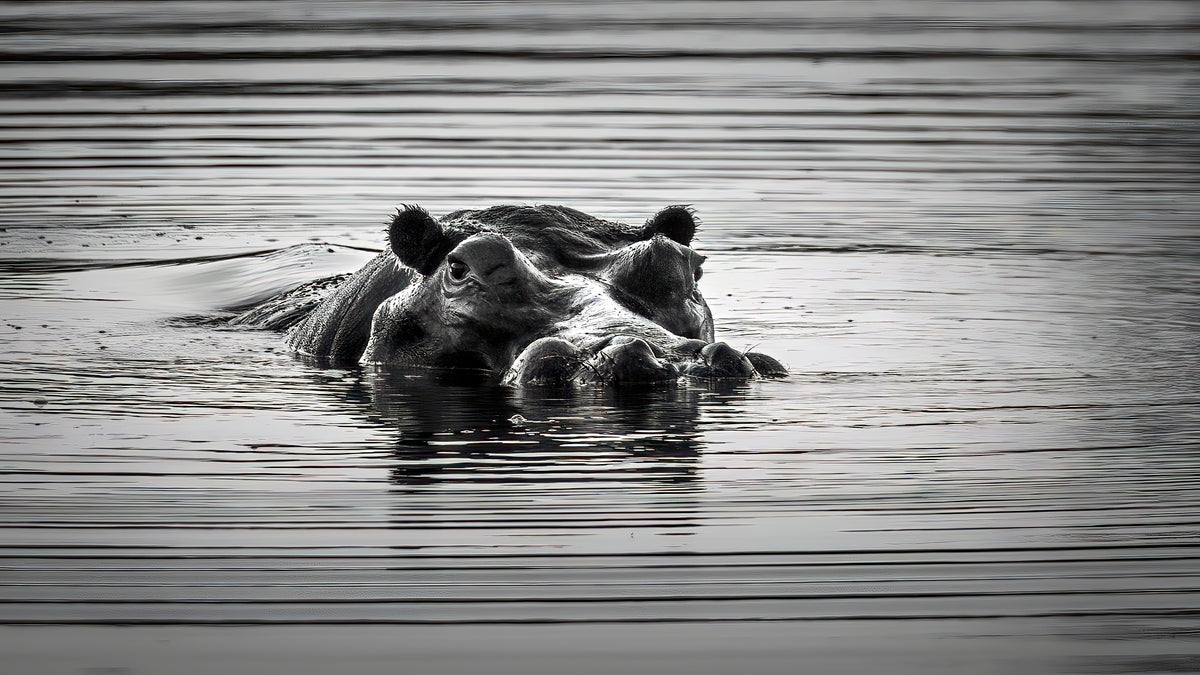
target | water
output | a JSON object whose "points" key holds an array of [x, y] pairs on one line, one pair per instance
{"points": [[970, 229]]}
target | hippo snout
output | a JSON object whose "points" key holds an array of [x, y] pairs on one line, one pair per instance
{"points": [[626, 359]]}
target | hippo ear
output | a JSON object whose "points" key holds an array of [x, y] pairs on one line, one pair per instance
{"points": [[674, 222], [418, 240]]}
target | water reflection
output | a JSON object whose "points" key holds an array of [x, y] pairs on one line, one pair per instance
{"points": [[460, 425]]}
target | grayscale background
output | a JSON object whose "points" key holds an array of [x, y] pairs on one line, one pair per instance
{"points": [[969, 229]]}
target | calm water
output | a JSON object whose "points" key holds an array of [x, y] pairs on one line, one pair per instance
{"points": [[970, 229]]}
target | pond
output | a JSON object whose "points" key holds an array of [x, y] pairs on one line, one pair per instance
{"points": [[968, 229]]}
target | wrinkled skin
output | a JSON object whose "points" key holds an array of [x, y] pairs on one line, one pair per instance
{"points": [[539, 295]]}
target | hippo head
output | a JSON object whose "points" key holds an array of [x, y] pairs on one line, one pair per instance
{"points": [[551, 295]]}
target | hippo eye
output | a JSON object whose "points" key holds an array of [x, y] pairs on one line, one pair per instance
{"points": [[458, 270]]}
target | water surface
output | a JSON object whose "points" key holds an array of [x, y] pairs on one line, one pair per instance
{"points": [[968, 228]]}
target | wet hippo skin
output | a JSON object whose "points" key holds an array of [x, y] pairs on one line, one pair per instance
{"points": [[541, 294]]}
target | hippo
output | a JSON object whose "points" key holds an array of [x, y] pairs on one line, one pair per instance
{"points": [[537, 295]]}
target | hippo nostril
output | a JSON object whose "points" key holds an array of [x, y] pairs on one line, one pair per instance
{"points": [[766, 365], [629, 359], [634, 345], [725, 361], [623, 340], [548, 360], [690, 348]]}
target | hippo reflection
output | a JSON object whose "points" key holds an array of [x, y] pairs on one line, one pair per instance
{"points": [[447, 431], [538, 295]]}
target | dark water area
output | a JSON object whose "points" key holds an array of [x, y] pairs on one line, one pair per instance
{"points": [[969, 229]]}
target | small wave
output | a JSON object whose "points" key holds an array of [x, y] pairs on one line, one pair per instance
{"points": [[49, 265], [63, 55]]}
